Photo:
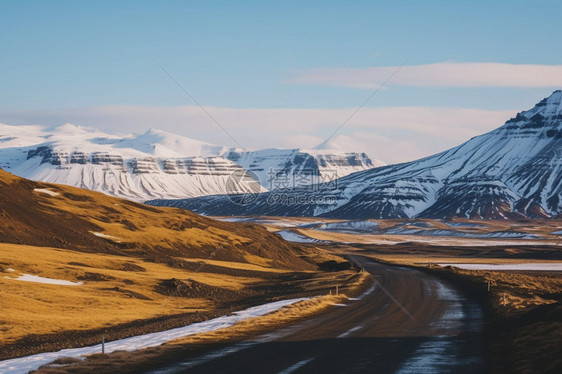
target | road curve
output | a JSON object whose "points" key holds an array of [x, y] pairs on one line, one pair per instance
{"points": [[408, 322]]}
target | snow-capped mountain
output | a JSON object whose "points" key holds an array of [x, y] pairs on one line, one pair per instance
{"points": [[513, 171], [290, 168], [156, 164]]}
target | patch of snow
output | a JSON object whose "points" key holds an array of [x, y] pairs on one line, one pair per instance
{"points": [[463, 224], [425, 225], [28, 363], [453, 233], [296, 238], [530, 266], [10, 270], [360, 226], [47, 191], [235, 219], [105, 236], [463, 242], [36, 279]]}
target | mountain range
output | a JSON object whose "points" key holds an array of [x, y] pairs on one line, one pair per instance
{"points": [[159, 164], [513, 171]]}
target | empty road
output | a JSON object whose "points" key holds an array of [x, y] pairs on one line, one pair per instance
{"points": [[407, 322]]}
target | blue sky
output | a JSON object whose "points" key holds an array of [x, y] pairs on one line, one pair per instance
{"points": [[89, 62]]}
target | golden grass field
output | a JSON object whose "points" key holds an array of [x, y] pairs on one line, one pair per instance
{"points": [[124, 290]]}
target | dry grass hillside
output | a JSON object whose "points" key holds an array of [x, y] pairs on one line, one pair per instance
{"points": [[48, 215], [129, 269]]}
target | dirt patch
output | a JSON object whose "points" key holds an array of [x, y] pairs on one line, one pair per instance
{"points": [[129, 266], [95, 277], [191, 288]]}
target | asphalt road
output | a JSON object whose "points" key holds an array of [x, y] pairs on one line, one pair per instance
{"points": [[408, 322]]}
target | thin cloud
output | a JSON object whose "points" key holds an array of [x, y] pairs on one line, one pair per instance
{"points": [[390, 134], [444, 74]]}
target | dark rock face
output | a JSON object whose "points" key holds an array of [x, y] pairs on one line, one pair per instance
{"points": [[39, 152], [78, 158], [217, 166], [106, 158], [144, 166]]}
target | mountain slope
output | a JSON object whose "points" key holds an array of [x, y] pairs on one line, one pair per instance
{"points": [[158, 164], [513, 171]]}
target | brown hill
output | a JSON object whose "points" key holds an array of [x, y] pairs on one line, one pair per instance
{"points": [[49, 215]]}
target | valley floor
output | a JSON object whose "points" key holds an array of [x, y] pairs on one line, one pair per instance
{"points": [[518, 311]]}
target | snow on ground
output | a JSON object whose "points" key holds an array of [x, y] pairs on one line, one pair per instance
{"points": [[105, 236], [533, 266], [28, 363], [47, 191], [453, 233], [296, 238], [464, 224], [235, 219], [481, 243], [36, 279], [556, 232], [360, 226], [279, 223]]}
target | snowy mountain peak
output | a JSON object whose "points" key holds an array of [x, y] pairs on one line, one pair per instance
{"points": [[548, 112], [70, 130], [327, 146], [549, 106], [165, 144]]}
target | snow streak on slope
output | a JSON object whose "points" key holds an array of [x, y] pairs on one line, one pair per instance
{"points": [[513, 171]]}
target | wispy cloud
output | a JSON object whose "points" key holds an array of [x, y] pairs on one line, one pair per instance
{"points": [[391, 134], [444, 74]]}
